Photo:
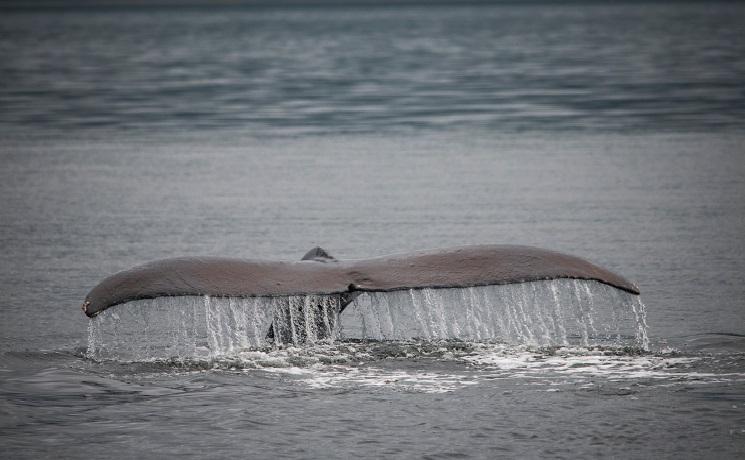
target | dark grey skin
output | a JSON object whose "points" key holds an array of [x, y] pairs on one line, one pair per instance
{"points": [[319, 273]]}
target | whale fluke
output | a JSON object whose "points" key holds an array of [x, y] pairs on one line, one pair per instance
{"points": [[319, 273]]}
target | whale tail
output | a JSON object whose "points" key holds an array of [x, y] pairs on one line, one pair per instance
{"points": [[307, 296]]}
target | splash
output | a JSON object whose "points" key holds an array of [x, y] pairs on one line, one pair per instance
{"points": [[544, 313]]}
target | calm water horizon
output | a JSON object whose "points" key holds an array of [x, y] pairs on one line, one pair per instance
{"points": [[592, 67]]}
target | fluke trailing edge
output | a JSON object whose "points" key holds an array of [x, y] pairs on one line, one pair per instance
{"points": [[319, 273]]}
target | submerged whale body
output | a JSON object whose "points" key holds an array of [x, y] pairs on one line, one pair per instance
{"points": [[320, 274]]}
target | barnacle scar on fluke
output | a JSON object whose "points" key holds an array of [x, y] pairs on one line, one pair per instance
{"points": [[318, 273]]}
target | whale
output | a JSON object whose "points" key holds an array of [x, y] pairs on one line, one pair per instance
{"points": [[319, 273]]}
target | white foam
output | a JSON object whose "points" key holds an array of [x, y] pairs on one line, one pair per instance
{"points": [[462, 365], [323, 377], [580, 362]]}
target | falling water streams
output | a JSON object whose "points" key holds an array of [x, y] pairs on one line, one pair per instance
{"points": [[542, 313]]}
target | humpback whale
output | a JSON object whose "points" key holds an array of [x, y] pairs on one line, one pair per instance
{"points": [[318, 273]]}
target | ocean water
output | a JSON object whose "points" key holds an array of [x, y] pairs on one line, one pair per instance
{"points": [[614, 132]]}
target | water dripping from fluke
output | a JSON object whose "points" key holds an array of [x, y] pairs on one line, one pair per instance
{"points": [[547, 313]]}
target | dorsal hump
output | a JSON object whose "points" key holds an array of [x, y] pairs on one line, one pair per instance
{"points": [[318, 254]]}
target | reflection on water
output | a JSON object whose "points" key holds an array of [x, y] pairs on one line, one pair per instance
{"points": [[511, 67]]}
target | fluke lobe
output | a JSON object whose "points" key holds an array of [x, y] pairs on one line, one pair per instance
{"points": [[319, 273]]}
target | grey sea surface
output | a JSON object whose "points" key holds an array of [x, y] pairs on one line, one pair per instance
{"points": [[614, 132], [588, 65]]}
